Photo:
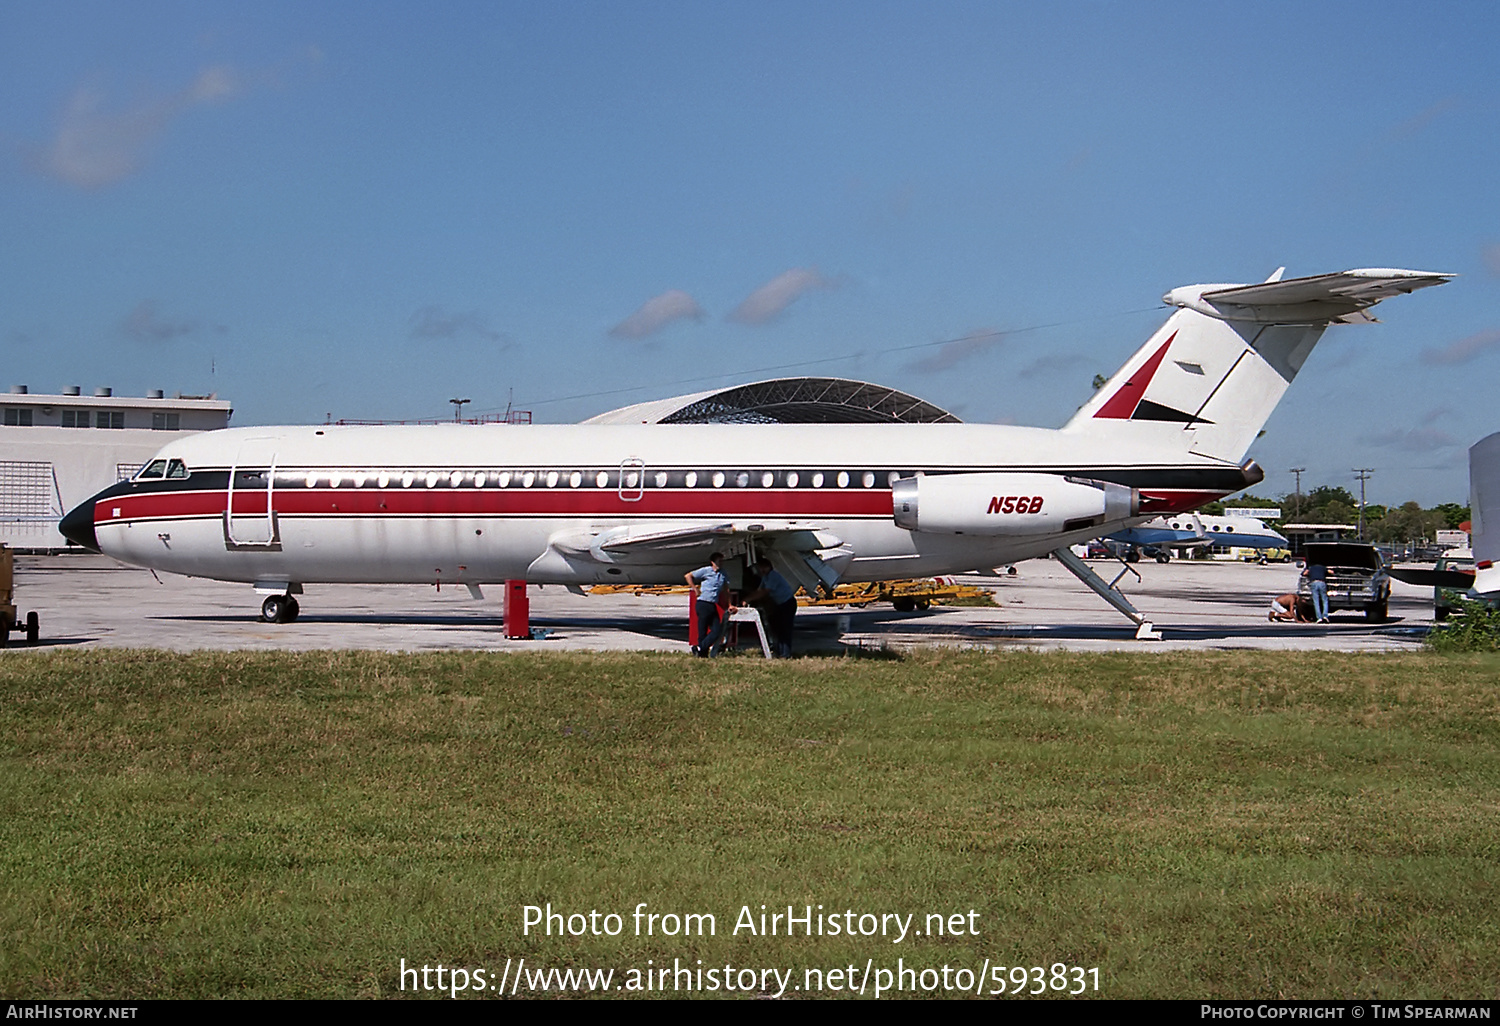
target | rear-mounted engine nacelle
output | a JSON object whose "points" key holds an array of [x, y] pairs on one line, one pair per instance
{"points": [[1009, 504]]}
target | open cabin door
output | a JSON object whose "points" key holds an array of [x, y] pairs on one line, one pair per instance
{"points": [[250, 503]]}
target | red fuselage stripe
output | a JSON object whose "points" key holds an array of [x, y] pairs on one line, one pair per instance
{"points": [[450, 502]]}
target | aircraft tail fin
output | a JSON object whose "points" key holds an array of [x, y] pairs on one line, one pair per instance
{"points": [[1208, 379]]}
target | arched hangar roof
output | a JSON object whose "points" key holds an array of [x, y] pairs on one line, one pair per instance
{"points": [[785, 401]]}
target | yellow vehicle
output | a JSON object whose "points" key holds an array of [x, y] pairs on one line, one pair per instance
{"points": [[9, 618], [1249, 555]]}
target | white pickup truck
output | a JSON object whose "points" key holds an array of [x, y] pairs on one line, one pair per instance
{"points": [[1358, 577]]}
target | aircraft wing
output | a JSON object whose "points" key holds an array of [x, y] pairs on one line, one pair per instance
{"points": [[1340, 297], [802, 552], [1427, 577]]}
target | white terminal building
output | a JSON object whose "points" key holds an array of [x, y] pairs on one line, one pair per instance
{"points": [[58, 450]]}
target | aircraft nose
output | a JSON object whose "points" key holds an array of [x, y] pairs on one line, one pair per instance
{"points": [[78, 526]]}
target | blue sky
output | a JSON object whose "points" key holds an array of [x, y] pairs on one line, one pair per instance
{"points": [[365, 209]]}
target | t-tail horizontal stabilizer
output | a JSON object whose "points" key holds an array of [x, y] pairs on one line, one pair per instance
{"points": [[1339, 298]]}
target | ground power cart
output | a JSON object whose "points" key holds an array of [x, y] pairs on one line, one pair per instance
{"points": [[9, 619]]}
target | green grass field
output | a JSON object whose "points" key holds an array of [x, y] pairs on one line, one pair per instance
{"points": [[1228, 825]]}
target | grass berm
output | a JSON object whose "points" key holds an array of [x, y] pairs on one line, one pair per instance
{"points": [[1276, 825]]}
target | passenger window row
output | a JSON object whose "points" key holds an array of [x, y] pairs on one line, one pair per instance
{"points": [[628, 480], [1188, 527]]}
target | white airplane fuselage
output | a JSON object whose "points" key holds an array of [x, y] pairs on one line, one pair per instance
{"points": [[466, 503]]}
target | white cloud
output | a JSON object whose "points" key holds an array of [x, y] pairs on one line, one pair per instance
{"points": [[95, 146], [1054, 364], [950, 354], [779, 293], [1419, 439], [145, 324], [1464, 350], [435, 322], [658, 312]]}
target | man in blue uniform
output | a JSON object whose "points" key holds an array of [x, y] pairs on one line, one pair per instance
{"points": [[711, 582], [781, 597]]}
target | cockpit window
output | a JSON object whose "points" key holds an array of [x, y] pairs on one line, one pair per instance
{"points": [[176, 469], [154, 469]]}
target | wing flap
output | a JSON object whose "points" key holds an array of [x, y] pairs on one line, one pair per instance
{"points": [[658, 540]]}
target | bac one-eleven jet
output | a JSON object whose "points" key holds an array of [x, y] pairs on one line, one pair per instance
{"points": [[281, 507]]}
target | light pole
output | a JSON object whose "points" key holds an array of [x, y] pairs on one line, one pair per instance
{"points": [[458, 405], [1363, 473], [1298, 472]]}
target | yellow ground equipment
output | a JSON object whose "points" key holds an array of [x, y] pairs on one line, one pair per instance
{"points": [[904, 595], [9, 618]]}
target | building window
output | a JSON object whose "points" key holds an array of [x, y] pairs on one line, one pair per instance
{"points": [[28, 491], [110, 419], [75, 418], [166, 422], [17, 416]]}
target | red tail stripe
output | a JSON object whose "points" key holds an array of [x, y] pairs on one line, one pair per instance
{"points": [[1123, 403]]}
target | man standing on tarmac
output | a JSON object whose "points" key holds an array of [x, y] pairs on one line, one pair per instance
{"points": [[1317, 586], [710, 582], [782, 599]]}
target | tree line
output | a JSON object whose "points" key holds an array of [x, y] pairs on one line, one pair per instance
{"points": [[1328, 504]]}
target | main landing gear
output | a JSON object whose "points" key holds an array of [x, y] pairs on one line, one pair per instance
{"points": [[279, 609], [1145, 630]]}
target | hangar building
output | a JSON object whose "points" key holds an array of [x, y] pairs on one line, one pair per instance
{"points": [[785, 401], [57, 450]]}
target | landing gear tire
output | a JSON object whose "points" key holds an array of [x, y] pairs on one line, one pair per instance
{"points": [[1376, 613], [4, 630], [279, 609], [1162, 557], [33, 628]]}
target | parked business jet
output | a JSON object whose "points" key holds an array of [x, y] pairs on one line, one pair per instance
{"points": [[1198, 530], [280, 507]]}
